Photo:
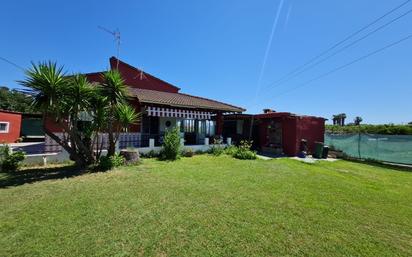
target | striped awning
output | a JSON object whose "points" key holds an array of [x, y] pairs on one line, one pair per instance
{"points": [[177, 113]]}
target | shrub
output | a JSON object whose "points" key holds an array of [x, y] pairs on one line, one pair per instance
{"points": [[150, 154], [108, 163], [171, 144], [385, 129], [199, 152], [231, 150], [244, 151], [4, 150], [10, 162], [188, 152], [216, 150], [245, 155]]}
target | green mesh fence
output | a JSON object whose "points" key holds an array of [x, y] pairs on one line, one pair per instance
{"points": [[389, 148]]}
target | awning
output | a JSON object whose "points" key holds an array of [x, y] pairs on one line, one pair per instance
{"points": [[177, 113]]}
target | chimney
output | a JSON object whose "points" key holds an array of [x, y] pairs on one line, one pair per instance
{"points": [[268, 110]]}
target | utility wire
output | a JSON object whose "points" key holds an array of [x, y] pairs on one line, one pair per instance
{"points": [[347, 64], [343, 48], [340, 42], [12, 63]]}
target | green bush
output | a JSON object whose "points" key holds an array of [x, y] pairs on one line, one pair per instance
{"points": [[171, 144], [385, 129], [244, 151], [198, 152], [4, 150], [108, 163], [188, 152], [150, 154], [10, 162], [231, 150], [216, 150]]}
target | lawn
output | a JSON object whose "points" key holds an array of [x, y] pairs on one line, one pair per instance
{"points": [[209, 206]]}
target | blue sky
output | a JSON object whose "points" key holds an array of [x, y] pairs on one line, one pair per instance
{"points": [[216, 49]]}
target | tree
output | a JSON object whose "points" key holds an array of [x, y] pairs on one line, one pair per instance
{"points": [[80, 108], [14, 100], [116, 94], [357, 120], [339, 119], [342, 119], [335, 119]]}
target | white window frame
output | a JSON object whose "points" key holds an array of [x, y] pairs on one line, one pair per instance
{"points": [[7, 127]]}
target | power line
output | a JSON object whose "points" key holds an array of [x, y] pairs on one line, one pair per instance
{"points": [[344, 48], [12, 63], [340, 42], [347, 64]]}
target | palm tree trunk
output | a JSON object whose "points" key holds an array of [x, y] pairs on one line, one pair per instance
{"points": [[112, 144]]}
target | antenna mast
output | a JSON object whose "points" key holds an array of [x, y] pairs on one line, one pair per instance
{"points": [[116, 35]]}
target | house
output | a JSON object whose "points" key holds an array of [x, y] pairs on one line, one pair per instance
{"points": [[163, 106], [10, 125], [276, 132]]}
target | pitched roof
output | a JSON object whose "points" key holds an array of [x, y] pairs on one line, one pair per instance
{"points": [[181, 100], [137, 78]]}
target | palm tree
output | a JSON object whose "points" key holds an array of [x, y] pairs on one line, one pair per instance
{"points": [[335, 119], [115, 92], [60, 99], [357, 120], [342, 119], [126, 116], [68, 100]]}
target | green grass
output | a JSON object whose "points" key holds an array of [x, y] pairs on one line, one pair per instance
{"points": [[209, 206]]}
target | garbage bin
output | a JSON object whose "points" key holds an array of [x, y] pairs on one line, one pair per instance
{"points": [[325, 152], [318, 152]]}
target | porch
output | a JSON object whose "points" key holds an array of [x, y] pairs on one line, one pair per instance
{"points": [[196, 127]]}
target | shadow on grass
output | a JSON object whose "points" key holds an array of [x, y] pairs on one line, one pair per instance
{"points": [[32, 175]]}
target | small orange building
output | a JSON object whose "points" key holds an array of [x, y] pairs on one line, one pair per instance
{"points": [[10, 126]]}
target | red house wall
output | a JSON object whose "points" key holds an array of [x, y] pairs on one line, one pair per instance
{"points": [[52, 126], [14, 120], [312, 129], [294, 129], [289, 136]]}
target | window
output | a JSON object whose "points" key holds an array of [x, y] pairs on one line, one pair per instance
{"points": [[201, 127], [188, 126], [4, 127], [210, 127]]}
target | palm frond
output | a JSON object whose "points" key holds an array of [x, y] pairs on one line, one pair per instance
{"points": [[126, 115]]}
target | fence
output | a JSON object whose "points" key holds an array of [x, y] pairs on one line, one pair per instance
{"points": [[389, 148]]}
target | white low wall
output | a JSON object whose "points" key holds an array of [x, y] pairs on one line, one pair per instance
{"points": [[46, 158], [63, 156]]}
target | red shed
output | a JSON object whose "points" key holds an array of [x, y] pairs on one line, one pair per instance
{"points": [[277, 132], [10, 125]]}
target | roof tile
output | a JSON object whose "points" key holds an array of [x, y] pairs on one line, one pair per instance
{"points": [[181, 100]]}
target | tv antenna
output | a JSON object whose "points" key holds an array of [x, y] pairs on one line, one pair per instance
{"points": [[116, 35]]}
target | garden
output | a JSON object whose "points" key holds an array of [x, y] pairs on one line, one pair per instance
{"points": [[208, 205]]}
